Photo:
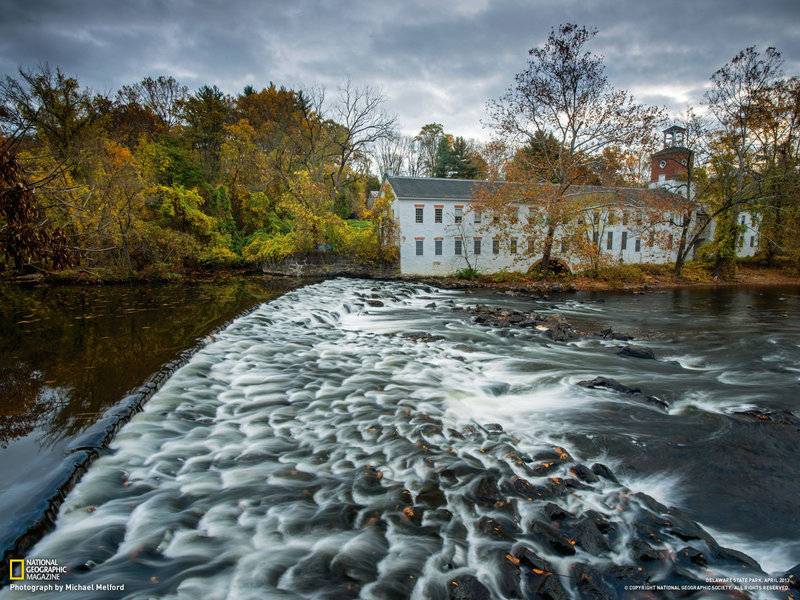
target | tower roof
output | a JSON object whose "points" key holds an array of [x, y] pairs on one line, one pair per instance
{"points": [[675, 129], [673, 150]]}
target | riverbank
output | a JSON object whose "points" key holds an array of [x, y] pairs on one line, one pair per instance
{"points": [[625, 278]]}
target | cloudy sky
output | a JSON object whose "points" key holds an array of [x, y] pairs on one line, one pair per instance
{"points": [[435, 60]]}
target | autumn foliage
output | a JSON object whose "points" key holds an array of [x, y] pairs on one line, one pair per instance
{"points": [[156, 179]]}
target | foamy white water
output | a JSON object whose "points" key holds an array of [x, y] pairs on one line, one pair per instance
{"points": [[321, 447]]}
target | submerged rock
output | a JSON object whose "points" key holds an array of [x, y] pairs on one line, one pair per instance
{"points": [[590, 583], [467, 587], [632, 393], [553, 538], [634, 351], [603, 471], [584, 473], [793, 575], [610, 334], [422, 336], [559, 330], [777, 417], [538, 576]]}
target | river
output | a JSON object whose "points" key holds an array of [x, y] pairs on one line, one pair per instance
{"points": [[69, 353], [355, 438]]}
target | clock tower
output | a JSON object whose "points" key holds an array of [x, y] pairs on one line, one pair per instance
{"points": [[669, 167]]}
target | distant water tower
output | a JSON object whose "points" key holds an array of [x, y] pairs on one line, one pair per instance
{"points": [[669, 167]]}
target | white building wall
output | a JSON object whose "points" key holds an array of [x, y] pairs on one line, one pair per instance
{"points": [[428, 232], [748, 236], [448, 231]]}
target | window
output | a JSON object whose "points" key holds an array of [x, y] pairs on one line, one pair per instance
{"points": [[419, 247], [458, 215], [437, 214], [496, 246], [752, 241], [513, 248], [477, 217], [437, 247], [476, 246], [624, 217], [638, 245], [564, 246], [743, 218], [610, 240], [418, 214], [624, 242], [595, 236], [457, 248]]}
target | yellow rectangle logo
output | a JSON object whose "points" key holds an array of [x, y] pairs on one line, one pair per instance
{"points": [[16, 568]]}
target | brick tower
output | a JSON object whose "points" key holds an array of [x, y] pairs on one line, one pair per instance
{"points": [[669, 167]]}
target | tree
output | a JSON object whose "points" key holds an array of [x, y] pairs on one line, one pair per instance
{"points": [[206, 113], [361, 121], [54, 107], [565, 93], [735, 100], [428, 139], [119, 186], [27, 238], [776, 126], [163, 96], [389, 156]]}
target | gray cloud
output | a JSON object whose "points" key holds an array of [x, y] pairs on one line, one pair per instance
{"points": [[436, 61]]}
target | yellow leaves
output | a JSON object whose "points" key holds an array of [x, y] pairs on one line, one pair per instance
{"points": [[118, 156], [268, 248]]}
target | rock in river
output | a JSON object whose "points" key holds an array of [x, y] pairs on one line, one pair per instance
{"points": [[634, 351], [629, 392]]}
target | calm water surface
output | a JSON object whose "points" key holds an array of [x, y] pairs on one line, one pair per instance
{"points": [[67, 353], [354, 438]]}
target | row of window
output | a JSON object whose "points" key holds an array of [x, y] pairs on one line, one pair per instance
{"points": [[512, 247], [438, 214], [458, 246], [458, 216]]}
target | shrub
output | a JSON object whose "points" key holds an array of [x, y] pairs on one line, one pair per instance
{"points": [[270, 248], [508, 277], [467, 273], [620, 273]]}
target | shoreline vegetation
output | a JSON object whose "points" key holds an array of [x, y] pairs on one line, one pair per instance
{"points": [[620, 278]]}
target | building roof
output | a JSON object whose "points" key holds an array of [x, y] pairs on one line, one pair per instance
{"points": [[434, 188], [674, 129], [672, 150]]}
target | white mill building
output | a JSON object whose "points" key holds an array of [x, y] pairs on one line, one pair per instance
{"points": [[439, 234]]}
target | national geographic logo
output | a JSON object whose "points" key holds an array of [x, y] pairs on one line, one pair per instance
{"points": [[16, 569], [35, 569]]}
